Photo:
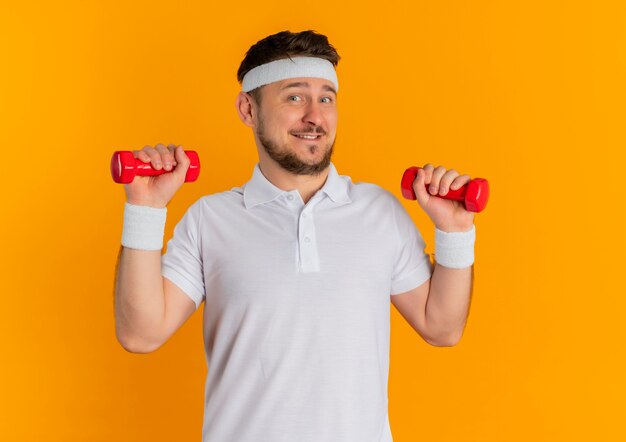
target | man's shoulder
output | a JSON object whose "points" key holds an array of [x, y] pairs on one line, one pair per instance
{"points": [[369, 191], [217, 200]]}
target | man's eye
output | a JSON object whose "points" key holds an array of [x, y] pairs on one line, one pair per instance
{"points": [[328, 99], [293, 98]]}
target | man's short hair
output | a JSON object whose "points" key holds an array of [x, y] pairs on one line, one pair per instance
{"points": [[285, 44]]}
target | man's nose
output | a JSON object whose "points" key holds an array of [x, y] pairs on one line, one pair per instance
{"points": [[313, 114]]}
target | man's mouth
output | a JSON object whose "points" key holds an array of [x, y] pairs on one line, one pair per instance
{"points": [[307, 136]]}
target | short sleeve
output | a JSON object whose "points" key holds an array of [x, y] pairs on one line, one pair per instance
{"points": [[412, 265], [182, 262]]}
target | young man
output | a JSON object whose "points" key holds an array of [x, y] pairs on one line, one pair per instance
{"points": [[296, 267]]}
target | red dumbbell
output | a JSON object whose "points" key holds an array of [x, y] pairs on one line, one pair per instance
{"points": [[474, 194], [124, 167]]}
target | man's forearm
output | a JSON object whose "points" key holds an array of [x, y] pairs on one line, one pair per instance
{"points": [[448, 303], [139, 299]]}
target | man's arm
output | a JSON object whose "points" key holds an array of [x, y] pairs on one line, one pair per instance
{"points": [[438, 309], [447, 306], [148, 307]]}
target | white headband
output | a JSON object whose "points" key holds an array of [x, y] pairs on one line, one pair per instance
{"points": [[289, 68]]}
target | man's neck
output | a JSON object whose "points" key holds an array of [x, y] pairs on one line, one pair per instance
{"points": [[307, 185]]}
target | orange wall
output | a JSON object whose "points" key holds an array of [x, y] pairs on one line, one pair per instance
{"points": [[529, 94]]}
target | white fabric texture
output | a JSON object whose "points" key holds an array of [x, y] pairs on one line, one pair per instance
{"points": [[455, 249], [297, 306], [143, 227], [295, 67]]}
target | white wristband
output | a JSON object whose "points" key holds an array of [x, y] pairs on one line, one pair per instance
{"points": [[144, 227], [455, 249]]}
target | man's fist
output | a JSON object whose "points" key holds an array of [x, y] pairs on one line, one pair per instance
{"points": [[157, 191]]}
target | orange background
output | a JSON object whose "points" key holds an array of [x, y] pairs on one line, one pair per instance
{"points": [[529, 94]]}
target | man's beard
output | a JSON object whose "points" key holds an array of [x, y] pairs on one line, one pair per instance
{"points": [[288, 160]]}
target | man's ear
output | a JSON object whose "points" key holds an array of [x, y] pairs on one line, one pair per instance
{"points": [[246, 108]]}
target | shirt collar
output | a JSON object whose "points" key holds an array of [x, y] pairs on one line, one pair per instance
{"points": [[259, 190]]}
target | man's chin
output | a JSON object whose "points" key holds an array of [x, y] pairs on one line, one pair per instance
{"points": [[300, 158], [307, 166]]}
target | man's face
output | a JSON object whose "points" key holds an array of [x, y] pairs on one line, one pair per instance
{"points": [[297, 123]]}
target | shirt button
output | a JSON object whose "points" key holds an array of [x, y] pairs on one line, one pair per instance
{"points": [[290, 197], [307, 239], [304, 215]]}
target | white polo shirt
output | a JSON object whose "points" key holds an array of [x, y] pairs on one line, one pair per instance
{"points": [[297, 307]]}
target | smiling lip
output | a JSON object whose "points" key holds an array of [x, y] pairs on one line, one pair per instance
{"points": [[317, 137]]}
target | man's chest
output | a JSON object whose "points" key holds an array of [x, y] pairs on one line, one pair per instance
{"points": [[279, 253]]}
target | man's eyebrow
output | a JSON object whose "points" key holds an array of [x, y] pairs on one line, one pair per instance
{"points": [[307, 85]]}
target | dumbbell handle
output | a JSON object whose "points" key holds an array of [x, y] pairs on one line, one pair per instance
{"points": [[125, 167], [474, 194]]}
